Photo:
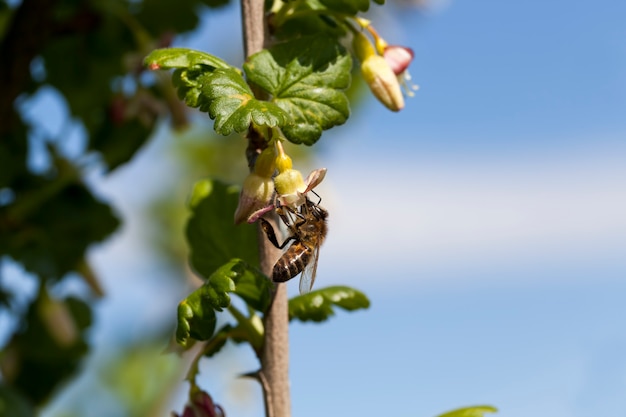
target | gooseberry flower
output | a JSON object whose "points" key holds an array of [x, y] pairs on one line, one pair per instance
{"points": [[290, 186], [256, 194], [201, 405], [399, 58], [378, 74], [289, 183]]}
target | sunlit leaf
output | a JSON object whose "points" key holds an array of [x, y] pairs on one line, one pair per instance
{"points": [[475, 411], [305, 78], [170, 58], [233, 106], [210, 84], [318, 305]]}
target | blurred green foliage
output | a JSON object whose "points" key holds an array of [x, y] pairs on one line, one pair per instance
{"points": [[91, 53]]}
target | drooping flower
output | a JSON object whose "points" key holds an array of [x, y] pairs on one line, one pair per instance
{"points": [[256, 194], [378, 74], [291, 187], [399, 58]]}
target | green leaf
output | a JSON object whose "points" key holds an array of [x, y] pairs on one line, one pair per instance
{"points": [[210, 84], [305, 77], [196, 313], [170, 58], [233, 106], [318, 305], [213, 237], [475, 411], [347, 6]]}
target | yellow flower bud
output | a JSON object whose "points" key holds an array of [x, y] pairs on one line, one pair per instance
{"points": [[362, 47], [264, 165], [383, 82], [283, 163]]}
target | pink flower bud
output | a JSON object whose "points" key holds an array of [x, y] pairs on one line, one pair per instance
{"points": [[398, 57]]}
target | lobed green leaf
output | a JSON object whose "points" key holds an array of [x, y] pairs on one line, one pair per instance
{"points": [[206, 82], [305, 77], [233, 106], [318, 305], [475, 411]]}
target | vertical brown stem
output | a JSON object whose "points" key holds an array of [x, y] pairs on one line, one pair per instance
{"points": [[274, 373]]}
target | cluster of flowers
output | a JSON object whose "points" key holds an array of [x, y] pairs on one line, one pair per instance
{"points": [[258, 189], [384, 67]]}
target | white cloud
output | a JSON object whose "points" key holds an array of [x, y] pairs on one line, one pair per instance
{"points": [[477, 212]]}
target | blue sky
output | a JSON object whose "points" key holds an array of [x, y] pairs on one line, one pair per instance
{"points": [[485, 221]]}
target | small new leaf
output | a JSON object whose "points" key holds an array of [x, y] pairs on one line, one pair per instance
{"points": [[196, 313], [305, 78], [171, 58], [475, 411], [318, 305]]}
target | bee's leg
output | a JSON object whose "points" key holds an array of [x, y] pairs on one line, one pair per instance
{"points": [[289, 217], [269, 231], [318, 196]]}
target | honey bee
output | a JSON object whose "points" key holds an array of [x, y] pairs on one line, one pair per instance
{"points": [[308, 230]]}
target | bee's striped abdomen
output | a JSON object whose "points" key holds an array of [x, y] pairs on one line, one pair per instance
{"points": [[292, 262]]}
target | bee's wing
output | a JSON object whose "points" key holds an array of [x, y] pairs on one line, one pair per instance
{"points": [[308, 275]]}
